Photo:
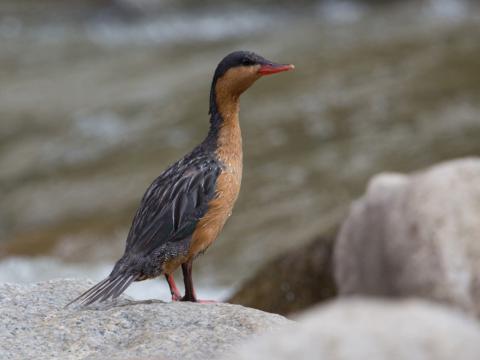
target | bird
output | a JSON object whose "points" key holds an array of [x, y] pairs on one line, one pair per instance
{"points": [[185, 208]]}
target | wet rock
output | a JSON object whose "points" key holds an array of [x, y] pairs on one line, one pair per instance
{"points": [[293, 281], [416, 235], [34, 325], [371, 329]]}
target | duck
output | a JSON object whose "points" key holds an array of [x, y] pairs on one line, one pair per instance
{"points": [[186, 207]]}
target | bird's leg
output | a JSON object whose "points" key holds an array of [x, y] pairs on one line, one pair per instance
{"points": [[187, 279], [176, 296], [189, 290]]}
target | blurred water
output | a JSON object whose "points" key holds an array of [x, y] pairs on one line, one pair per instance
{"points": [[95, 104], [26, 270]]}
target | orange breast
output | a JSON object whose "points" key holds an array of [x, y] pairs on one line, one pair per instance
{"points": [[229, 152], [219, 210]]}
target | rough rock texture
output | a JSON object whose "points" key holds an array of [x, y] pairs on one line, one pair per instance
{"points": [[371, 329], [416, 235], [293, 281], [34, 325]]}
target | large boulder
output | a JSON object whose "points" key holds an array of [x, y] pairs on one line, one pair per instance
{"points": [[293, 281], [370, 329], [35, 325], [416, 235]]}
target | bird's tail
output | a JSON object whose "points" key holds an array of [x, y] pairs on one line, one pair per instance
{"points": [[109, 288]]}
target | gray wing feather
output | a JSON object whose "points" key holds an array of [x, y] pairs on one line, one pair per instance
{"points": [[173, 205]]}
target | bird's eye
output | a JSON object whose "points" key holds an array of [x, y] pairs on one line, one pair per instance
{"points": [[247, 62]]}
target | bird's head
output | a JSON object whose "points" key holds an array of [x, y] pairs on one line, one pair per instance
{"points": [[238, 71]]}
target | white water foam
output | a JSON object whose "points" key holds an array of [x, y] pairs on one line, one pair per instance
{"points": [[28, 270]]}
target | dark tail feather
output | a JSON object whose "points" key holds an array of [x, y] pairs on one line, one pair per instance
{"points": [[109, 288]]}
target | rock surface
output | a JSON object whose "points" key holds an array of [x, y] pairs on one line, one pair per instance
{"points": [[293, 281], [34, 325], [371, 329], [416, 235]]}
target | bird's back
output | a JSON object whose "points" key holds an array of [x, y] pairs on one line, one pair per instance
{"points": [[169, 212]]}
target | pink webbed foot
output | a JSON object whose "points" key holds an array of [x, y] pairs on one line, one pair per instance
{"points": [[194, 299], [208, 302], [176, 297]]}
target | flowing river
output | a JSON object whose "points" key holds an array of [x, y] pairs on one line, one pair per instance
{"points": [[97, 98]]}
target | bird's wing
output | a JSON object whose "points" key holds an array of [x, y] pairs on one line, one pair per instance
{"points": [[173, 204]]}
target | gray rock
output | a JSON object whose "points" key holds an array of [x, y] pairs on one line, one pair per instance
{"points": [[416, 235], [34, 325], [370, 329]]}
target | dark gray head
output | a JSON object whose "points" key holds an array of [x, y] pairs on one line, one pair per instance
{"points": [[239, 70]]}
